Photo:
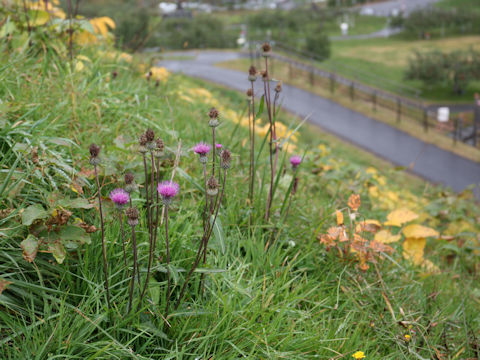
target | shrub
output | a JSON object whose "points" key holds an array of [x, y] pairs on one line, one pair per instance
{"points": [[318, 44], [455, 69]]}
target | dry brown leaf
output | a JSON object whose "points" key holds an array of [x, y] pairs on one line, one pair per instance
{"points": [[4, 284], [369, 225], [354, 202], [400, 217], [379, 247]]}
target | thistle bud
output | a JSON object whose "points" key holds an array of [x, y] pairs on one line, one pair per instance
{"points": [[130, 185], [150, 136], [225, 159], [143, 143], [159, 148], [264, 74], [212, 186], [278, 88], [267, 49], [249, 95], [213, 114], [252, 73], [132, 216], [114, 74], [94, 152]]}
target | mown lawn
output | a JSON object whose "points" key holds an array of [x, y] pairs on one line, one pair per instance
{"points": [[292, 299]]}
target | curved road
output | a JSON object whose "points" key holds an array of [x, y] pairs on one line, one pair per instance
{"points": [[430, 162]]}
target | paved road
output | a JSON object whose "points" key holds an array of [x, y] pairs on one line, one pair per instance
{"points": [[430, 162], [386, 8]]}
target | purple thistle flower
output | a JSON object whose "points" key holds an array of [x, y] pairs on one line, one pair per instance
{"points": [[295, 160], [202, 149], [218, 146], [168, 190], [120, 197]]}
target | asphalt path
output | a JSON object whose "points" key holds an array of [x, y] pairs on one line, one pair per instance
{"points": [[387, 8], [425, 160]]}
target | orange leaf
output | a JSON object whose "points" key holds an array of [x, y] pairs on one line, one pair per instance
{"points": [[354, 202]]}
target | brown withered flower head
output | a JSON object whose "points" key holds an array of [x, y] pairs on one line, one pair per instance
{"points": [[252, 73], [130, 185], [249, 94], [264, 74], [278, 88], [94, 152], [212, 186], [132, 216], [150, 135], [213, 114], [266, 49], [142, 141], [159, 148], [225, 159]]}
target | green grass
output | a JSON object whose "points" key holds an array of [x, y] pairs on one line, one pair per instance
{"points": [[294, 301]]}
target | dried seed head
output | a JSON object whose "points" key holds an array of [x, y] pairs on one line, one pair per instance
{"points": [[150, 135], [278, 88], [143, 143], [264, 74], [252, 73], [142, 140], [212, 186], [249, 94], [266, 50], [225, 159], [132, 216], [213, 114], [114, 74], [159, 148], [129, 178], [94, 152]]}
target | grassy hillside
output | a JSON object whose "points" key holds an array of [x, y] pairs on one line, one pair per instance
{"points": [[272, 289]]}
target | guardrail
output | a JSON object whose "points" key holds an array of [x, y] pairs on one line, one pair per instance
{"points": [[460, 127]]}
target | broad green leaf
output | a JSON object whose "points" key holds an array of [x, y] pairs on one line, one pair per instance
{"points": [[38, 17], [58, 251], [32, 213], [75, 234], [30, 248], [78, 203]]}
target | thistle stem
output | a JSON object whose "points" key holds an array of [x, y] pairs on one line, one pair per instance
{"points": [[252, 148], [168, 261], [146, 190], [104, 248], [122, 231], [132, 284]]}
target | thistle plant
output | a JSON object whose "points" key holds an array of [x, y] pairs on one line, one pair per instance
{"points": [[203, 149], [95, 161], [252, 77]]}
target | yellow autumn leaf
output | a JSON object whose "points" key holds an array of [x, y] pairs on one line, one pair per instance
{"points": [[102, 24], [413, 249], [418, 231], [84, 38], [339, 217], [386, 237], [159, 73], [79, 66], [400, 217], [455, 228]]}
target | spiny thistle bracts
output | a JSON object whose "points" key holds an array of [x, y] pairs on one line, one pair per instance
{"points": [[94, 152], [132, 216], [225, 159], [212, 186]]}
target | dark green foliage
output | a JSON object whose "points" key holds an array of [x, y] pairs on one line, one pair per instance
{"points": [[453, 69], [318, 44], [434, 21], [199, 32]]}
